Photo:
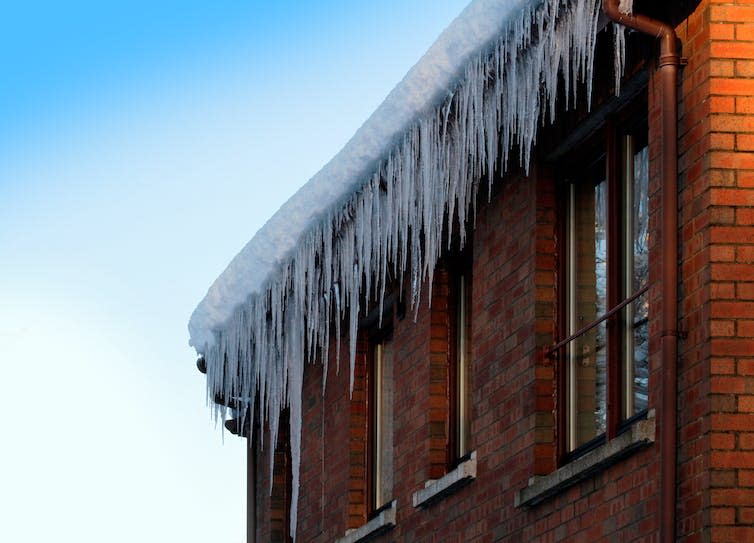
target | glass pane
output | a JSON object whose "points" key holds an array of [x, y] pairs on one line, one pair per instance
{"points": [[641, 355], [383, 455], [641, 219], [587, 301], [462, 366], [636, 277]]}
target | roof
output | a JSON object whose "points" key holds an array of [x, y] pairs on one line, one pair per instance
{"points": [[429, 83], [382, 202]]}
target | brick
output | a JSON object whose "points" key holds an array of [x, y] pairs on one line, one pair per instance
{"points": [[746, 478], [731, 123], [731, 534], [746, 405], [732, 272], [722, 253], [731, 86], [722, 290], [744, 217], [746, 441], [745, 328], [719, 214], [723, 441], [723, 366], [732, 234], [745, 254], [722, 49], [722, 68], [745, 31], [722, 327], [731, 14], [722, 31], [723, 141], [723, 515], [737, 161], [731, 496], [722, 478], [743, 142], [733, 347], [728, 385], [745, 179], [746, 515], [744, 104], [744, 68], [722, 104], [730, 422]]}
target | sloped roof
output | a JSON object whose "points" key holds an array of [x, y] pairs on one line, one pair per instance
{"points": [[429, 83], [381, 203]]}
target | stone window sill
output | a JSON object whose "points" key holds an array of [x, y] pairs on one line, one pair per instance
{"points": [[380, 524], [436, 489], [640, 435]]}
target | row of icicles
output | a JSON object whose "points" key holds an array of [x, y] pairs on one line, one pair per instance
{"points": [[394, 224]]}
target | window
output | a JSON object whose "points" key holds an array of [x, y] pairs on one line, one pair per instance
{"points": [[459, 302], [370, 481], [449, 363], [280, 495], [603, 302], [380, 422], [371, 510]]}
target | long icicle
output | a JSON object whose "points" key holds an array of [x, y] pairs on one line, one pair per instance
{"points": [[395, 222]]}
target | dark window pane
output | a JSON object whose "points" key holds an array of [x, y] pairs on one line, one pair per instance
{"points": [[640, 278], [587, 293]]}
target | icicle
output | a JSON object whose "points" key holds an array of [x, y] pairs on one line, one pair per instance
{"points": [[619, 39], [295, 362], [394, 223]]}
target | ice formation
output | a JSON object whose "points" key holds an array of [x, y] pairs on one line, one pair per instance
{"points": [[619, 34], [380, 205]]}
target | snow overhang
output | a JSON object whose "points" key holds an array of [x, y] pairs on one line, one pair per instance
{"points": [[424, 88], [380, 206]]}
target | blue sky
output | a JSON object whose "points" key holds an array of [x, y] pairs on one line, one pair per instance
{"points": [[141, 145]]}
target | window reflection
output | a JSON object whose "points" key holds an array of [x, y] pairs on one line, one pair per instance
{"points": [[636, 276], [587, 301], [600, 228]]}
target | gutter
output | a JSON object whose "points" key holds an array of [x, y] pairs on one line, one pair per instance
{"points": [[669, 63]]}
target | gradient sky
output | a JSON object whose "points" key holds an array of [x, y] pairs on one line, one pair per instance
{"points": [[141, 145]]}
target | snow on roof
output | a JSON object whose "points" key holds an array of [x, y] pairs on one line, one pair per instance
{"points": [[426, 85], [411, 171]]}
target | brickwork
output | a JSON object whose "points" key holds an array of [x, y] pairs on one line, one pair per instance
{"points": [[545, 284], [724, 227], [514, 421], [358, 439]]}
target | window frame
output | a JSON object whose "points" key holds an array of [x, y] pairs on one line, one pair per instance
{"points": [[604, 146], [376, 502], [460, 284]]}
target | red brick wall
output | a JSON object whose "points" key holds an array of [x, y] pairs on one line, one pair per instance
{"points": [[717, 414], [357, 438], [512, 422], [513, 320]]}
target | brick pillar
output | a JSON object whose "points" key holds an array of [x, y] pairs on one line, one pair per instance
{"points": [[732, 270], [717, 306]]}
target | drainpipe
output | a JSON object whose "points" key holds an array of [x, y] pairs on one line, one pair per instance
{"points": [[669, 63]]}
